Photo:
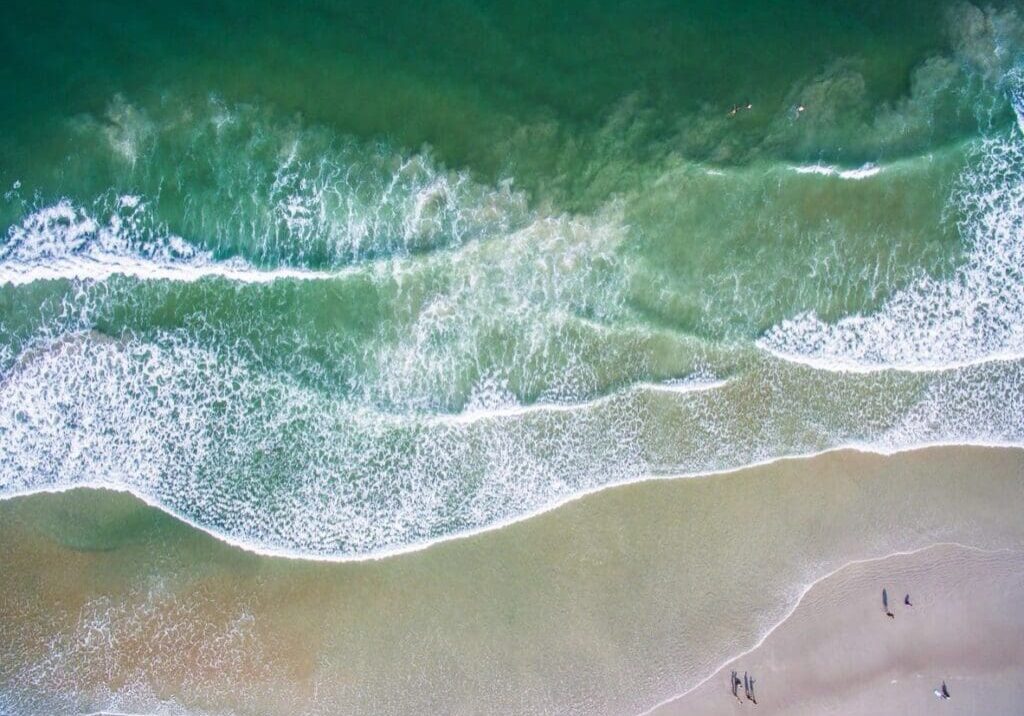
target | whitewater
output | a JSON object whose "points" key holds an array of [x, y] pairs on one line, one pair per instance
{"points": [[512, 372]]}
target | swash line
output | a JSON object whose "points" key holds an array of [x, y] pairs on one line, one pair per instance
{"points": [[375, 555], [833, 365]]}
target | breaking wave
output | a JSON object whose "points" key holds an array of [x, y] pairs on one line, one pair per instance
{"points": [[356, 352], [975, 315]]}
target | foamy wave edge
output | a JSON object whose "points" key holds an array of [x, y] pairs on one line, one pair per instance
{"points": [[473, 415], [973, 316], [375, 555], [20, 274], [865, 171], [841, 365]]}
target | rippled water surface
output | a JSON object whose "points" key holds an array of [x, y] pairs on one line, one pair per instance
{"points": [[345, 279]]}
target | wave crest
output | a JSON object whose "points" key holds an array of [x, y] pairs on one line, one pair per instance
{"points": [[975, 315]]}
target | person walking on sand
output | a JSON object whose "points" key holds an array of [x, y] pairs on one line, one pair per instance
{"points": [[751, 695], [746, 685], [885, 604], [734, 681], [906, 600]]}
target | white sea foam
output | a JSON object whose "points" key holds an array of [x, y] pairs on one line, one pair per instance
{"points": [[93, 657], [103, 267], [975, 315], [267, 463], [502, 403], [266, 200], [864, 172], [684, 386], [64, 241]]}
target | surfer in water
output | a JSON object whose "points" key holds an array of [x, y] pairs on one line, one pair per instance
{"points": [[943, 693]]}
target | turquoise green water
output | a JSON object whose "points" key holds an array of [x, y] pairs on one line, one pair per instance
{"points": [[341, 279]]}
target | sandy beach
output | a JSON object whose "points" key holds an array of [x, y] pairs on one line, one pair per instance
{"points": [[840, 654], [610, 604]]}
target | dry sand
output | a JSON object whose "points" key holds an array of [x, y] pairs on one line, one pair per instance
{"points": [[840, 654]]}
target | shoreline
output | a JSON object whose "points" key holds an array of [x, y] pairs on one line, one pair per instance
{"points": [[268, 552], [606, 606], [820, 627]]}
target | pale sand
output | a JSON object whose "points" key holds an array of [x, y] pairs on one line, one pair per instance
{"points": [[840, 654], [608, 605]]}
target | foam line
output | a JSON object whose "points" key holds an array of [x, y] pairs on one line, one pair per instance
{"points": [[684, 387], [864, 172], [105, 267], [849, 365], [375, 555]]}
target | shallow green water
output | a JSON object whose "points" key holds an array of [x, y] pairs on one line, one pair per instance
{"points": [[343, 278]]}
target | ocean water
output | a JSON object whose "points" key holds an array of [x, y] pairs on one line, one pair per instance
{"points": [[338, 280]]}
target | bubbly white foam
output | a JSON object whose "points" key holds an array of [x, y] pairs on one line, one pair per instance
{"points": [[497, 405], [864, 172], [64, 241], [975, 315], [93, 656], [682, 387], [268, 463]]}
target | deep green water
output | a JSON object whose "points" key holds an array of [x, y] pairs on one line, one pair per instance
{"points": [[340, 278]]}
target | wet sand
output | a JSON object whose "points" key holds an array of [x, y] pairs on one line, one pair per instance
{"points": [[840, 654], [608, 605]]}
